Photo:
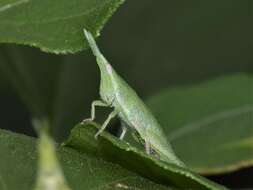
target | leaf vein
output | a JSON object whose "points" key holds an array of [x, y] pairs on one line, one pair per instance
{"points": [[209, 120], [9, 6], [114, 181], [57, 19]]}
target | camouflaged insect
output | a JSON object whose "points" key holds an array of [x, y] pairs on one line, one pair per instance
{"points": [[131, 110]]}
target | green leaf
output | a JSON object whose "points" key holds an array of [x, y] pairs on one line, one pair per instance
{"points": [[18, 168], [121, 152], [53, 26], [210, 124]]}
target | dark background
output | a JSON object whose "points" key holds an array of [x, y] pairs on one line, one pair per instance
{"points": [[153, 44]]}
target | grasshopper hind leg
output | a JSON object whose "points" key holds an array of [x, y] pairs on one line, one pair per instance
{"points": [[124, 130], [148, 147], [111, 115], [150, 151]]}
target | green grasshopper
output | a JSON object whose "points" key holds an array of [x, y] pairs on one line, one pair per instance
{"points": [[131, 110]]}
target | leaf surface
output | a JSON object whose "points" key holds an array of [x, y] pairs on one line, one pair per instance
{"points": [[18, 165], [210, 124], [121, 152], [53, 26]]}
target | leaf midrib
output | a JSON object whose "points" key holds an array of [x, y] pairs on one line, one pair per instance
{"points": [[10, 6]]}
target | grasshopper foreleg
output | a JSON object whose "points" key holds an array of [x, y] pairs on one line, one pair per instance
{"points": [[111, 115], [93, 105]]}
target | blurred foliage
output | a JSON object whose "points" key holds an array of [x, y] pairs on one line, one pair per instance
{"points": [[49, 172], [47, 84], [82, 171], [178, 42], [212, 120], [154, 46]]}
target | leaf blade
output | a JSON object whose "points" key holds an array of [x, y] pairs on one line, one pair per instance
{"points": [[18, 167], [114, 150], [205, 119], [53, 26]]}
